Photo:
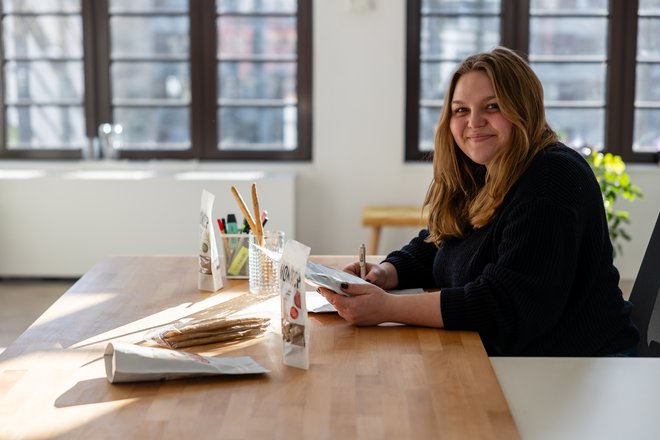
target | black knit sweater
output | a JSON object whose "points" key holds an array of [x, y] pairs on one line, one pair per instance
{"points": [[538, 280]]}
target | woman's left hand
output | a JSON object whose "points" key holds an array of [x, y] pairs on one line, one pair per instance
{"points": [[367, 304]]}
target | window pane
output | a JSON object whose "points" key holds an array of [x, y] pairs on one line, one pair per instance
{"points": [[42, 36], [568, 36], [146, 37], [646, 134], [646, 6], [139, 81], [647, 86], [43, 81], [258, 128], [260, 6], [257, 80], [249, 36], [434, 79], [578, 127], [647, 130], [117, 6], [154, 128], [428, 121], [45, 127], [458, 37], [648, 43], [572, 81], [460, 6], [13, 6], [568, 5]]}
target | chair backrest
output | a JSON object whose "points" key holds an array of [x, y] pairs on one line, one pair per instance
{"points": [[644, 296]]}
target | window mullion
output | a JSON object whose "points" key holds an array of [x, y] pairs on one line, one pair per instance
{"points": [[203, 78], [515, 25], [413, 26]]}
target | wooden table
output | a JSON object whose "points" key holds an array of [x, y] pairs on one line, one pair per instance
{"points": [[363, 382]]}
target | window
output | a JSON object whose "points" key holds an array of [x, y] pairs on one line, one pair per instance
{"points": [[598, 61], [42, 73], [646, 134], [184, 79]]}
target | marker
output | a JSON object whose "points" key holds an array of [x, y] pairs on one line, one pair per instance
{"points": [[363, 260], [246, 227], [232, 228]]}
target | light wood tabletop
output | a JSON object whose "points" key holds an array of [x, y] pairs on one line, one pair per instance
{"points": [[363, 382]]}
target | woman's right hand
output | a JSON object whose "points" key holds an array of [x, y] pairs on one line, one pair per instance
{"points": [[383, 275]]}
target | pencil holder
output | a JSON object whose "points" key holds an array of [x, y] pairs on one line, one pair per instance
{"points": [[236, 252], [263, 268]]}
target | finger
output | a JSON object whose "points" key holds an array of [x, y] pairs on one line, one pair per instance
{"points": [[355, 289], [326, 293]]}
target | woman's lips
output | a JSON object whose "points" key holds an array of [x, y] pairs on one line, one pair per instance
{"points": [[479, 137]]}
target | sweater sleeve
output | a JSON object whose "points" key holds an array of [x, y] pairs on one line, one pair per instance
{"points": [[414, 262], [521, 295]]}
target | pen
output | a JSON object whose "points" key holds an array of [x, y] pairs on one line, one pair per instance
{"points": [[224, 238], [363, 258]]}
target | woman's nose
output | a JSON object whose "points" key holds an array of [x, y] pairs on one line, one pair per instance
{"points": [[476, 120]]}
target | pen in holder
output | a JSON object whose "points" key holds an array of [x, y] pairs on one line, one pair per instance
{"points": [[264, 277], [236, 252]]}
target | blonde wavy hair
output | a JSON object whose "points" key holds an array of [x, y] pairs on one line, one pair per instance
{"points": [[463, 194]]}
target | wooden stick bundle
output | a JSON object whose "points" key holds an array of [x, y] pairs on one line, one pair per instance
{"points": [[213, 330], [254, 222]]}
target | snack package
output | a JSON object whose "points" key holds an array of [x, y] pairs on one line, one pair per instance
{"points": [[318, 275], [131, 363], [295, 329], [210, 273]]}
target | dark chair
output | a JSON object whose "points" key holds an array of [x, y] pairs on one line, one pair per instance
{"points": [[644, 296]]}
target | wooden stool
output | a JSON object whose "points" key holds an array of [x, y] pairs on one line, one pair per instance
{"points": [[378, 216]]}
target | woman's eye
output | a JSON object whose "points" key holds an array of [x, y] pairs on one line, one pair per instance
{"points": [[493, 106], [459, 110]]}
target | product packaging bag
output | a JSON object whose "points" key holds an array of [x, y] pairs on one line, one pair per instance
{"points": [[295, 328], [210, 273]]}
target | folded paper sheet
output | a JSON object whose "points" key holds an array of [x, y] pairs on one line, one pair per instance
{"points": [[131, 363]]}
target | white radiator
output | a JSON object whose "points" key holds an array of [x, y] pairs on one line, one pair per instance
{"points": [[59, 222]]}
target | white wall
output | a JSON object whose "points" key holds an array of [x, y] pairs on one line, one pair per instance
{"points": [[358, 145]]}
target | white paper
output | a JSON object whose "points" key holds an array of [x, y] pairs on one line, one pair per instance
{"points": [[131, 363]]}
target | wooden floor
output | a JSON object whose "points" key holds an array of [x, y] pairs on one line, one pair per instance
{"points": [[23, 301]]}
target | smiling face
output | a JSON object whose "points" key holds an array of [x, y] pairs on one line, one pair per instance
{"points": [[477, 124]]}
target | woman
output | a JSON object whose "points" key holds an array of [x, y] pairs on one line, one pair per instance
{"points": [[517, 241]]}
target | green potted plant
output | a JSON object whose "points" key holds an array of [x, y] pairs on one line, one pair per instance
{"points": [[610, 171]]}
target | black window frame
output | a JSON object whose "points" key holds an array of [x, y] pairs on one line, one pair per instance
{"points": [[204, 78], [515, 17]]}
